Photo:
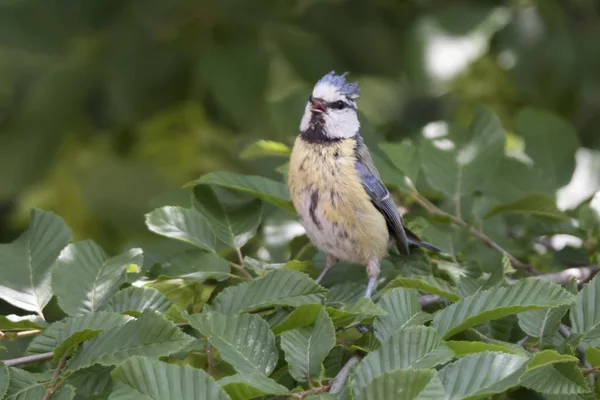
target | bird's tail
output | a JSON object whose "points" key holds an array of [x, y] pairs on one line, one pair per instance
{"points": [[414, 240]]}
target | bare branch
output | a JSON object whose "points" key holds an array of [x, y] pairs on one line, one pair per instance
{"points": [[339, 381], [28, 359]]}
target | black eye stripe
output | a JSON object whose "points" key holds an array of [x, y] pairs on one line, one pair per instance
{"points": [[338, 105]]}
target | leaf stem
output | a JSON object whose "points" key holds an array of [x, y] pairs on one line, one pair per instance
{"points": [[433, 209], [55, 385], [242, 270], [209, 359]]}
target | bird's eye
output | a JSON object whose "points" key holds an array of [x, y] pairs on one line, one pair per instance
{"points": [[339, 105]]}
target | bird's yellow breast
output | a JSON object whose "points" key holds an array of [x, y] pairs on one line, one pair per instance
{"points": [[335, 210]]}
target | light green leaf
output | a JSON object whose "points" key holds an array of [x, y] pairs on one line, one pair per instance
{"points": [[547, 357], [151, 335], [542, 323], [403, 310], [21, 322], [197, 265], [4, 380], [66, 392], [480, 375], [274, 192], [344, 293], [525, 295], [162, 381], [551, 142], [84, 278], [25, 263], [306, 348], [412, 347], [278, 288], [404, 156], [265, 148], [183, 224], [585, 313], [62, 336], [592, 355], [250, 385], [537, 204], [134, 300], [234, 226], [561, 378], [464, 348], [23, 386], [403, 384], [244, 341], [427, 284], [455, 171], [123, 392]]}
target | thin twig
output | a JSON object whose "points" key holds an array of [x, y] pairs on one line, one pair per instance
{"points": [[54, 387], [16, 334], [339, 381], [315, 390], [433, 209], [242, 270], [28, 359]]}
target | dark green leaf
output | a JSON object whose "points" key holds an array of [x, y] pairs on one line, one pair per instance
{"points": [[244, 341], [25, 263], [269, 190], [278, 288], [403, 384], [585, 313], [85, 278], [183, 224], [23, 386], [427, 284], [403, 310], [161, 381], [306, 348], [21, 322], [134, 300], [537, 204]]}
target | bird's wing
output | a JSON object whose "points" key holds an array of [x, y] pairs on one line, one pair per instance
{"points": [[380, 196]]}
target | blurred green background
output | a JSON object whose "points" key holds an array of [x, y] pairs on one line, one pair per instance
{"points": [[107, 107]]}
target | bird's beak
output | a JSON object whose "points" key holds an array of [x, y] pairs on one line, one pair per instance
{"points": [[317, 106]]}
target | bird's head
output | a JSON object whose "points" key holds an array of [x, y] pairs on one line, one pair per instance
{"points": [[330, 112]]}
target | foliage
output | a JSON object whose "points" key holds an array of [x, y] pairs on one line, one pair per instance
{"points": [[207, 290], [215, 319]]}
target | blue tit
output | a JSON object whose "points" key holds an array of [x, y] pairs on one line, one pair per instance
{"points": [[344, 207]]}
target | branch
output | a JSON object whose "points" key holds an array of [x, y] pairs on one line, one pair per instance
{"points": [[242, 270], [28, 359], [338, 382], [52, 389], [433, 209]]}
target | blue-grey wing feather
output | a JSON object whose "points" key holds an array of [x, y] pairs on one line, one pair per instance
{"points": [[380, 196]]}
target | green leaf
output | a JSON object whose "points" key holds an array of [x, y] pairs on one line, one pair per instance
{"points": [[185, 224], [462, 170], [592, 355], [537, 204], [21, 322], [525, 295], [403, 384], [551, 142], [404, 156], [250, 385], [585, 313], [66, 392], [265, 148], [403, 310], [234, 226], [480, 375], [278, 288], [4, 380], [542, 323], [306, 348], [123, 392], [427, 284], [412, 347], [561, 378], [547, 357], [464, 348], [274, 192], [197, 265], [151, 335], [91, 383], [84, 278], [63, 335], [25, 263], [162, 381], [244, 341], [134, 300], [23, 386]]}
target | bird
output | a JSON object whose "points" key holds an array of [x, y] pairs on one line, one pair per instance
{"points": [[342, 203]]}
